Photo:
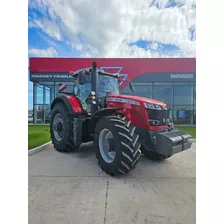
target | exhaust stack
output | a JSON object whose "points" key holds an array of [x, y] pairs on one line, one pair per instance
{"points": [[94, 87]]}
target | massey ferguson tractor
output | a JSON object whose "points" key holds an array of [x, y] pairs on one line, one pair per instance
{"points": [[123, 127]]}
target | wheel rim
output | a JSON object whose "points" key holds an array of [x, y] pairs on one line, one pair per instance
{"points": [[106, 145], [58, 127]]}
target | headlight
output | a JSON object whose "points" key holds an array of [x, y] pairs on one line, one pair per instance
{"points": [[158, 107], [152, 106], [149, 105]]}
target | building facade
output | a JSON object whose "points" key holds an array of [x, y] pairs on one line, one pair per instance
{"points": [[170, 80]]}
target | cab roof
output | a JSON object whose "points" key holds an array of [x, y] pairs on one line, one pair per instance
{"points": [[89, 70]]}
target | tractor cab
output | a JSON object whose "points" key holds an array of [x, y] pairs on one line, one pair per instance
{"points": [[106, 84]]}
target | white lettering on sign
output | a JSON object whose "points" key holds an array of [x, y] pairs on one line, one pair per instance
{"points": [[181, 76], [42, 76], [62, 76], [45, 76]]}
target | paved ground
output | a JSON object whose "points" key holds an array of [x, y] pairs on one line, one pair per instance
{"points": [[71, 188]]}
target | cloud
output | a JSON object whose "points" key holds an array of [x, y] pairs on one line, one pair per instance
{"points": [[49, 52], [47, 26], [154, 46], [105, 28]]}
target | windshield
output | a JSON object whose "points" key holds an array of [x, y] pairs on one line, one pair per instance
{"points": [[107, 84], [82, 91]]}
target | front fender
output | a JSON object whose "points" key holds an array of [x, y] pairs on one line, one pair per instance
{"points": [[106, 112]]}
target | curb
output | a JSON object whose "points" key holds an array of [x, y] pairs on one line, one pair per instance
{"points": [[32, 124], [37, 149]]}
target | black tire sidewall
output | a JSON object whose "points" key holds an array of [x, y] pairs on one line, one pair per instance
{"points": [[59, 108], [105, 123]]}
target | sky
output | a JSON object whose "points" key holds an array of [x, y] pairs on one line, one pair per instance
{"points": [[128, 28]]}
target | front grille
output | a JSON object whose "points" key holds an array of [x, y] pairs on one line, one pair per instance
{"points": [[157, 117]]}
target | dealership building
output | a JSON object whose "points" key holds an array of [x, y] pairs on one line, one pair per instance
{"points": [[170, 80]]}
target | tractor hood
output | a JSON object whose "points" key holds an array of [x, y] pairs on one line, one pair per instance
{"points": [[139, 99]]}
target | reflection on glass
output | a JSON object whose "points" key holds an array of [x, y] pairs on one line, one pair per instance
{"points": [[42, 113], [139, 90], [40, 94], [183, 114], [179, 97], [47, 96], [47, 113], [183, 95], [107, 84], [164, 94], [163, 84], [38, 114]]}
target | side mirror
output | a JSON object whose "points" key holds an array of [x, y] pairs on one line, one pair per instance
{"points": [[131, 86], [82, 77]]}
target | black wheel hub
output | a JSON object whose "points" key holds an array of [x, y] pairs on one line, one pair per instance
{"points": [[59, 127]]}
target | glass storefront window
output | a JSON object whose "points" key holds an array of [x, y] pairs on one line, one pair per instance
{"points": [[139, 90], [194, 121], [194, 104], [183, 94], [183, 83], [164, 93], [183, 114], [38, 113], [47, 96], [39, 94], [170, 112], [163, 84], [179, 97], [42, 113], [47, 113]]}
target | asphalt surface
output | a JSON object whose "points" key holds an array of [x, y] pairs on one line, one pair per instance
{"points": [[71, 188]]}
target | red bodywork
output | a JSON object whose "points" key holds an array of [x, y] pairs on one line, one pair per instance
{"points": [[137, 114], [75, 104]]}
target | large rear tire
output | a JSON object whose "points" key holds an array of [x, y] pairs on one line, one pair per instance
{"points": [[118, 145], [61, 129]]}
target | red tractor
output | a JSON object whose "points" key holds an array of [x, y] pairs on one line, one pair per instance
{"points": [[123, 127]]}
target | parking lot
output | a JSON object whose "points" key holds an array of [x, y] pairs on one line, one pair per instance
{"points": [[71, 188]]}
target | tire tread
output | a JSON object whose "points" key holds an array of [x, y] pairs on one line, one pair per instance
{"points": [[129, 145]]}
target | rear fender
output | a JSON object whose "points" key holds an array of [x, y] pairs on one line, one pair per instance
{"points": [[71, 102]]}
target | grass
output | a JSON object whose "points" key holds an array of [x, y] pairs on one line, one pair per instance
{"points": [[38, 135], [188, 129]]}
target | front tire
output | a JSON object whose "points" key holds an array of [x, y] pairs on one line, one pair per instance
{"points": [[61, 129], [118, 145]]}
